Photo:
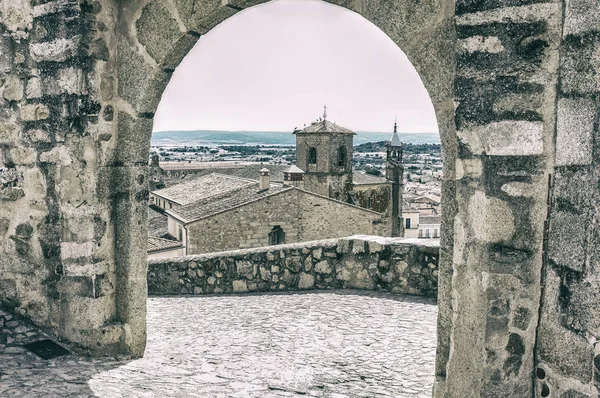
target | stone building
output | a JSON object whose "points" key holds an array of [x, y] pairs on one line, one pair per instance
{"points": [[236, 213], [324, 151]]}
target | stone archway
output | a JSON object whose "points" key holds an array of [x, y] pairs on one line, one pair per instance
{"points": [[80, 83], [153, 37]]}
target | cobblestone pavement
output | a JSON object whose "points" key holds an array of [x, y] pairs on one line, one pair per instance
{"points": [[319, 344]]}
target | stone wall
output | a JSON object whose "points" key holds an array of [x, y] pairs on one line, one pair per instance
{"points": [[397, 265], [60, 176], [378, 196], [567, 358], [303, 216], [506, 94]]}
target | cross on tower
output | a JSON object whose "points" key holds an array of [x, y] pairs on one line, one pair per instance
{"points": [[324, 112]]}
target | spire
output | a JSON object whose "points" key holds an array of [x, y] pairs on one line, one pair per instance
{"points": [[395, 141], [324, 112]]}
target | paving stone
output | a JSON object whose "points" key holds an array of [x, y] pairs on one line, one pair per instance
{"points": [[318, 344]]}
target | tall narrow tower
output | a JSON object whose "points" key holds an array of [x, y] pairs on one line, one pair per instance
{"points": [[394, 172]]}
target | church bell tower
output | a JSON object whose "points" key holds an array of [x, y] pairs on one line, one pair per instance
{"points": [[394, 172], [324, 152]]}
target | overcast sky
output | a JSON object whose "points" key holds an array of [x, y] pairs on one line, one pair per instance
{"points": [[272, 68]]}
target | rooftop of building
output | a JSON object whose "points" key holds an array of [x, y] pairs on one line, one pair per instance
{"points": [[360, 178], [395, 140], [215, 204], [159, 244], [324, 126], [203, 187], [175, 166], [294, 170]]}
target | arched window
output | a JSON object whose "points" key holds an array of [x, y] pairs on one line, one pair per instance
{"points": [[312, 155], [276, 236], [342, 156]]}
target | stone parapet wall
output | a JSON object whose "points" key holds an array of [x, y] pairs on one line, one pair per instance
{"points": [[398, 265]]}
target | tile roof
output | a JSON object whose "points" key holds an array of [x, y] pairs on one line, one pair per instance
{"points": [[214, 166], [251, 171], [294, 170], [203, 187], [216, 204], [157, 223], [324, 126], [360, 178], [158, 244]]}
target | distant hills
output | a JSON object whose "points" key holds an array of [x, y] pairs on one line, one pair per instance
{"points": [[277, 138], [379, 146]]}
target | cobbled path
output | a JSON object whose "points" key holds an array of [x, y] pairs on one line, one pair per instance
{"points": [[319, 344]]}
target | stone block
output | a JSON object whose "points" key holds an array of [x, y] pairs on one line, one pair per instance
{"points": [[22, 156], [13, 89], [140, 83], [492, 219], [54, 7], [157, 30], [58, 50], [323, 267], [375, 247], [574, 135], [505, 138], [67, 81], [567, 242], [133, 139], [36, 136], [16, 14], [306, 281], [34, 112], [9, 133], [564, 351], [478, 43], [82, 286], [73, 250], [581, 16], [580, 66], [245, 269], [57, 155], [34, 88], [196, 14]]}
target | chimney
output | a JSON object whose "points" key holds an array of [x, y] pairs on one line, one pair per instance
{"points": [[264, 180]]}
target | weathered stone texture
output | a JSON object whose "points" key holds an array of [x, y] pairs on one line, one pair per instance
{"points": [[315, 217], [81, 82], [397, 265]]}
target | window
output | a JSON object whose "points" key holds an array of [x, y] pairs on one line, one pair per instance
{"points": [[342, 156], [170, 205], [407, 223], [180, 233], [427, 233], [420, 233], [276, 236], [435, 233], [368, 203], [312, 155]]}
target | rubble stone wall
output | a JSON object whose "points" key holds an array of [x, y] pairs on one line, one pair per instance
{"points": [[408, 266]]}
